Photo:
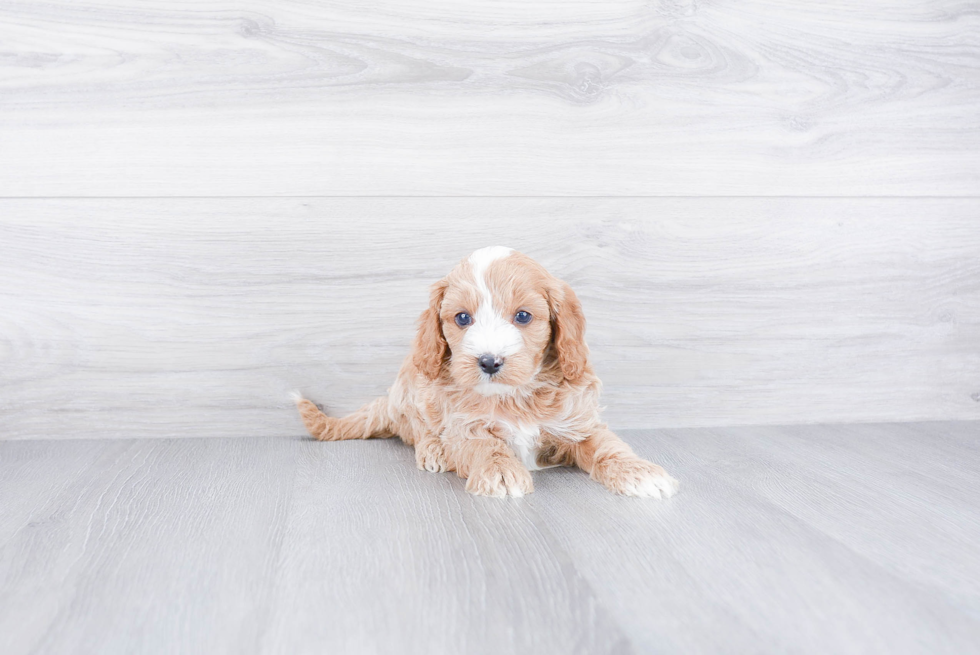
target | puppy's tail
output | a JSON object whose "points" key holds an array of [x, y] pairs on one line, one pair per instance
{"points": [[367, 422]]}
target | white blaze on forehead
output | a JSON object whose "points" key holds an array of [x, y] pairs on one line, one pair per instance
{"points": [[491, 333], [481, 259]]}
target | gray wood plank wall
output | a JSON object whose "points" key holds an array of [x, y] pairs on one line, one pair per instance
{"points": [[671, 97], [198, 316], [790, 233]]}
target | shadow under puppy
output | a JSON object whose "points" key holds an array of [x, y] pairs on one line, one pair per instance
{"points": [[499, 384]]}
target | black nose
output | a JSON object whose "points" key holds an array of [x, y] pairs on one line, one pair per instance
{"points": [[490, 364]]}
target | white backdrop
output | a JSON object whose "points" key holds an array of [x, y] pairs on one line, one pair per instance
{"points": [[198, 316], [769, 209]]}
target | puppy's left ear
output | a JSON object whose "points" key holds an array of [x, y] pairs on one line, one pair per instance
{"points": [[431, 349], [568, 331]]}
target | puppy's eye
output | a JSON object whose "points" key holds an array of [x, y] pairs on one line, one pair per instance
{"points": [[523, 317], [463, 319]]}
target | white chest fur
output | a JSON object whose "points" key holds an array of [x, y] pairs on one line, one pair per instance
{"points": [[524, 440]]}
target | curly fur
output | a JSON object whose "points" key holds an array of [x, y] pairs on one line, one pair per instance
{"points": [[540, 409]]}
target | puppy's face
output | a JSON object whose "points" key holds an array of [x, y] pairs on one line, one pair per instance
{"points": [[493, 321]]}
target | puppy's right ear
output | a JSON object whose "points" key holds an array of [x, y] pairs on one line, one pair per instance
{"points": [[431, 350]]}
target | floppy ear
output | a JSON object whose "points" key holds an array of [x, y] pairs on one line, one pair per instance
{"points": [[431, 349], [568, 331]]}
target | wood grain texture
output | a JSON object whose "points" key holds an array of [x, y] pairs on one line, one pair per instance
{"points": [[809, 539], [164, 318], [672, 97], [391, 559], [144, 547], [788, 539]]}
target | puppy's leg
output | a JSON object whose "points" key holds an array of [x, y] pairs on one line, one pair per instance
{"points": [[610, 461], [430, 454], [369, 421], [410, 425], [489, 465]]}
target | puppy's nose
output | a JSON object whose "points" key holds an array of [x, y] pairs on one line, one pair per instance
{"points": [[490, 364]]}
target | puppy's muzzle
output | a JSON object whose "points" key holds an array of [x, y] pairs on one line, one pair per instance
{"points": [[490, 364]]}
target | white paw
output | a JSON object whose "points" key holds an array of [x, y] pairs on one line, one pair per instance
{"points": [[508, 478], [637, 477]]}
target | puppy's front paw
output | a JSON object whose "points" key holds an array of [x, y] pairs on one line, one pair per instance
{"points": [[635, 477], [430, 456], [500, 478]]}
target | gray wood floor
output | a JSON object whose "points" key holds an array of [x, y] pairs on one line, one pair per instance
{"points": [[845, 538]]}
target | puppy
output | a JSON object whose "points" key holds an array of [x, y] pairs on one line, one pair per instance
{"points": [[499, 384]]}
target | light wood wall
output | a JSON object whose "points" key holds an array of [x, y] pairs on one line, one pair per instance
{"points": [[467, 97], [198, 316], [771, 210]]}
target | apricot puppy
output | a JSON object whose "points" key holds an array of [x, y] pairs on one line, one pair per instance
{"points": [[499, 384]]}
